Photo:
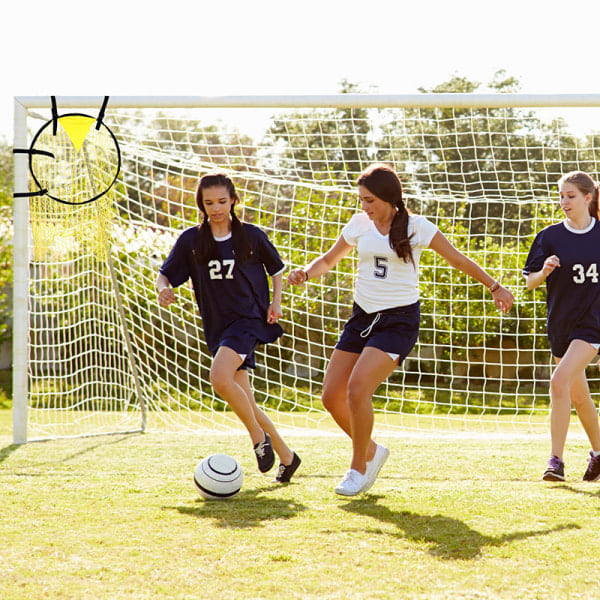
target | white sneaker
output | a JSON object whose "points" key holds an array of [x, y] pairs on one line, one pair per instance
{"points": [[374, 466], [352, 483]]}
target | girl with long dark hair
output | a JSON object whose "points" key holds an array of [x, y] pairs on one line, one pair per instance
{"points": [[384, 325], [228, 262]]}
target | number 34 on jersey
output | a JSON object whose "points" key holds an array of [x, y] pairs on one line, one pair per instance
{"points": [[580, 273]]}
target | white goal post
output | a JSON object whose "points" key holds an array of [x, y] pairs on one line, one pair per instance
{"points": [[94, 354]]}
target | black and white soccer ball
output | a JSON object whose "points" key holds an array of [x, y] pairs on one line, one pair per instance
{"points": [[218, 477]]}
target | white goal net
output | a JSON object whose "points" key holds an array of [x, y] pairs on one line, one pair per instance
{"points": [[97, 353]]}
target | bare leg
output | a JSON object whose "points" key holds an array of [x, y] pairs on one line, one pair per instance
{"points": [[569, 370], [335, 392], [371, 369], [281, 448], [586, 410], [223, 379]]}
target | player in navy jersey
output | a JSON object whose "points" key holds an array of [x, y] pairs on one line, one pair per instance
{"points": [[567, 257], [226, 261], [384, 325]]}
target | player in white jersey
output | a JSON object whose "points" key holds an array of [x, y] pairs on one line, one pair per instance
{"points": [[385, 321], [566, 256]]}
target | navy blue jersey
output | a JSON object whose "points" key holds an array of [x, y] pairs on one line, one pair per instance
{"points": [[573, 289], [227, 290]]}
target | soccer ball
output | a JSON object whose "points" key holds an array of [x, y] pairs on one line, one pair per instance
{"points": [[218, 477]]}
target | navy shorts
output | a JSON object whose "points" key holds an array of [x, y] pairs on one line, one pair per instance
{"points": [[559, 346], [244, 335], [394, 330]]}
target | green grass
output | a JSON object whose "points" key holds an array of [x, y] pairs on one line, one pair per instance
{"points": [[449, 517]]}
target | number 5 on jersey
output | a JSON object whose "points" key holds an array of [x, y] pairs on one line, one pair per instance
{"points": [[381, 268], [580, 274], [216, 268]]}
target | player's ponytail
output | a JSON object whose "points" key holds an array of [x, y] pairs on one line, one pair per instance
{"points": [[586, 185], [206, 248], [383, 182]]}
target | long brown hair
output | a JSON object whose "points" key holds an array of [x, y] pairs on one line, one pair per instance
{"points": [[383, 182], [207, 248], [586, 185]]}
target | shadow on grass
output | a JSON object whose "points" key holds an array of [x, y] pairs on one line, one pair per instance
{"points": [[8, 450], [449, 538], [594, 492], [247, 509]]}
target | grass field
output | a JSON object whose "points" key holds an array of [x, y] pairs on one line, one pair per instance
{"points": [[449, 517]]}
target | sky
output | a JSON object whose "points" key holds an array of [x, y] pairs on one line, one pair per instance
{"points": [[267, 47]]}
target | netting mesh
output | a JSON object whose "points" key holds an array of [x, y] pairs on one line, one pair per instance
{"points": [[100, 346]]}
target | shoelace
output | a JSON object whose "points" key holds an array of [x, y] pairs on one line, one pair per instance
{"points": [[281, 470], [554, 463], [260, 449], [351, 476]]}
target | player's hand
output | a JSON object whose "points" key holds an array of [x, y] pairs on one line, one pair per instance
{"points": [[550, 264], [166, 296], [503, 299], [274, 313], [296, 277]]}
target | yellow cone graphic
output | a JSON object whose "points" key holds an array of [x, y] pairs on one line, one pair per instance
{"points": [[77, 128]]}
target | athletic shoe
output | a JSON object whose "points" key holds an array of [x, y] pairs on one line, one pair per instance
{"points": [[285, 472], [265, 457], [592, 472], [352, 483], [555, 471], [374, 466]]}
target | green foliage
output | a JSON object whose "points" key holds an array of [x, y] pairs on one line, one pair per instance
{"points": [[6, 274], [5, 388], [6, 174], [6, 260], [163, 191], [328, 145]]}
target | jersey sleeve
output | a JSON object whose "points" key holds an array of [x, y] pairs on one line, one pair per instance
{"points": [[176, 266], [351, 230], [425, 231], [268, 255], [536, 257]]}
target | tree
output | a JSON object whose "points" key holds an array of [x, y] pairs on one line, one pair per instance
{"points": [[160, 182], [489, 163], [6, 262], [6, 173], [327, 145]]}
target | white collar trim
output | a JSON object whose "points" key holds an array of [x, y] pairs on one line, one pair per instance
{"points": [[224, 238], [578, 231]]}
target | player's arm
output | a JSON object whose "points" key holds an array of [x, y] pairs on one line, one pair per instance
{"points": [[166, 295], [536, 279], [274, 312], [503, 298], [322, 264]]}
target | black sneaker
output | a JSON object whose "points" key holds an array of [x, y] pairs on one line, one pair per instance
{"points": [[592, 473], [285, 472], [265, 457], [555, 471]]}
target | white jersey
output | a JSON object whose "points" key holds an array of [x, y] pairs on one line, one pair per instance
{"points": [[384, 280]]}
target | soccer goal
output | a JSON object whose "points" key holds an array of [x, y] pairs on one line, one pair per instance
{"points": [[104, 186]]}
